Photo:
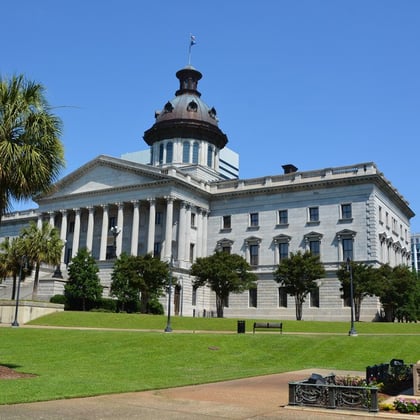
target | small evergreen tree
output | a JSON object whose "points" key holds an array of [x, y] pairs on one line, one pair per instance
{"points": [[83, 288], [297, 274], [224, 273]]}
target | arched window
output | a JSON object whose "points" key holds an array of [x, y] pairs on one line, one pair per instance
{"points": [[169, 152], [196, 149], [210, 156], [160, 154], [186, 152]]}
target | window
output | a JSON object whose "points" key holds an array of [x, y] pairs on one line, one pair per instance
{"points": [[158, 218], [227, 249], [71, 227], [193, 219], [253, 219], [169, 152], [346, 211], [112, 221], [314, 298], [226, 302], [186, 152], [253, 253], [313, 214], [283, 217], [194, 296], [347, 249], [226, 222], [283, 250], [253, 298], [161, 154], [282, 297], [224, 245], [191, 253], [210, 156], [380, 215], [315, 246], [196, 148], [157, 248]]}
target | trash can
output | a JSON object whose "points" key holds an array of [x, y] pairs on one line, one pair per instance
{"points": [[241, 327]]}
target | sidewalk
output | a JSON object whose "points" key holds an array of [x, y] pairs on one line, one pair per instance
{"points": [[262, 397]]}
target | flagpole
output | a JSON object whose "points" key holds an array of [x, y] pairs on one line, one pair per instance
{"points": [[192, 42]]}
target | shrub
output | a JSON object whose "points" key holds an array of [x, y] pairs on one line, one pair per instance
{"points": [[61, 299], [155, 307]]}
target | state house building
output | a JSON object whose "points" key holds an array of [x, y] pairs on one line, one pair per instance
{"points": [[185, 201]]}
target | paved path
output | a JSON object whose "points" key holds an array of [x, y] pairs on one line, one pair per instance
{"points": [[259, 398]]}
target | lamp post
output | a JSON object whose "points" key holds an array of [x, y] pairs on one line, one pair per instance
{"points": [[168, 327], [352, 331], [15, 322], [115, 230]]}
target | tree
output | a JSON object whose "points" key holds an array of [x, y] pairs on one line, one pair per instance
{"points": [[398, 290], [297, 274], [11, 259], [31, 153], [139, 274], [125, 284], [83, 288], [42, 245], [153, 279], [224, 273], [363, 279]]}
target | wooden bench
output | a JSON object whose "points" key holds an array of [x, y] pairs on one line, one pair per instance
{"points": [[268, 325]]}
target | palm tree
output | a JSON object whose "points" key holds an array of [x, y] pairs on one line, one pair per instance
{"points": [[31, 153], [11, 254], [41, 246]]}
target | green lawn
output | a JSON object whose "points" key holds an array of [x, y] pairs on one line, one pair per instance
{"points": [[70, 363], [155, 322]]}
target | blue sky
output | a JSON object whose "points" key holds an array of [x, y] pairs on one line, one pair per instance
{"points": [[309, 82]]}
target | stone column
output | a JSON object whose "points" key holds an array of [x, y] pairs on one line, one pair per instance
{"points": [[151, 231], [135, 228], [52, 217], [199, 232], [89, 234], [340, 248], [181, 231], [187, 233], [104, 233], [76, 233], [204, 236], [120, 224], [39, 222], [63, 233], [168, 228]]}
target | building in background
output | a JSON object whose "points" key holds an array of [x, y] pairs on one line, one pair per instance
{"points": [[181, 199], [415, 251]]}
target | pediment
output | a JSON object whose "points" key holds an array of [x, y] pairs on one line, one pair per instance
{"points": [[103, 173]]}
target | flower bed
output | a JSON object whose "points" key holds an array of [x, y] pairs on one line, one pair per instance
{"points": [[407, 405]]}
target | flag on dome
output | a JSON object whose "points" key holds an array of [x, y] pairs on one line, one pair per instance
{"points": [[192, 40]]}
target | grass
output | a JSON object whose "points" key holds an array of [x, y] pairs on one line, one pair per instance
{"points": [[155, 322], [79, 362]]}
